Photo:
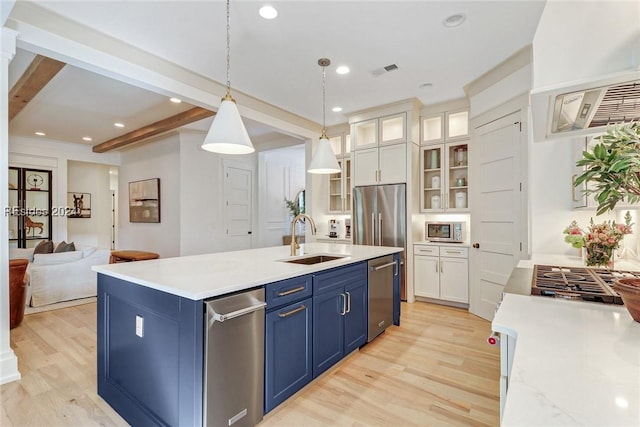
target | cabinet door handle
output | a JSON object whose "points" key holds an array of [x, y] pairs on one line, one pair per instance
{"points": [[294, 311], [348, 302], [292, 291], [573, 188], [441, 267], [396, 269], [437, 266], [344, 304], [379, 175], [373, 227]]}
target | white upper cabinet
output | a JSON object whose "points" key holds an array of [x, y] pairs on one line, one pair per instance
{"points": [[433, 129], [444, 177], [444, 126], [457, 125], [340, 183], [341, 145], [380, 131]]}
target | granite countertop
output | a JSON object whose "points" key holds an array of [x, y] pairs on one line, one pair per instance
{"points": [[203, 276], [575, 363]]}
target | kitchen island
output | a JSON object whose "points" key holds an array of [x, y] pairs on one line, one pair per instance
{"points": [[151, 327], [567, 362]]}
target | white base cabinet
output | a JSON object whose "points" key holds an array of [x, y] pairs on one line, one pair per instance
{"points": [[441, 272]]}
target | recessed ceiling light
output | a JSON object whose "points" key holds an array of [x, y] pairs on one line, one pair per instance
{"points": [[425, 85], [336, 109], [175, 100], [343, 69], [40, 133], [454, 20], [118, 125], [268, 12], [87, 138]]}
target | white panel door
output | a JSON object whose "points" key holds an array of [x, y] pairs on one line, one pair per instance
{"points": [[238, 196], [496, 213], [426, 280], [393, 163], [454, 279], [365, 167]]}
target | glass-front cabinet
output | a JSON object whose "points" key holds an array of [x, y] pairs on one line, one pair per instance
{"points": [[444, 177], [380, 131], [340, 183], [29, 207]]}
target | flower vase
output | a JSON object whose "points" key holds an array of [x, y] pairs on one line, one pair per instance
{"points": [[599, 256]]}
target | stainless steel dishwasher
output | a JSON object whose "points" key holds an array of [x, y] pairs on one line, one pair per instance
{"points": [[381, 272], [234, 360]]}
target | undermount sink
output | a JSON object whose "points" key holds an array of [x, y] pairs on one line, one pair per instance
{"points": [[313, 259]]}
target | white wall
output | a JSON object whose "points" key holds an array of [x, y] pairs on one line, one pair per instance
{"points": [[94, 179], [585, 39], [551, 199], [160, 159], [574, 40], [201, 202]]}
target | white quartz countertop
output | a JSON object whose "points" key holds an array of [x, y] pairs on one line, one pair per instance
{"points": [[204, 276], [575, 363]]}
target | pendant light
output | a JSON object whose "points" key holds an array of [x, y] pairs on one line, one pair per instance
{"points": [[323, 160], [227, 134]]}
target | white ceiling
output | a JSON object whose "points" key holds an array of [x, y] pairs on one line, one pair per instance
{"points": [[276, 61]]}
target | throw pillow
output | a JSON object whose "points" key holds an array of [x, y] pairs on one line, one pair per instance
{"points": [[44, 247], [65, 247]]}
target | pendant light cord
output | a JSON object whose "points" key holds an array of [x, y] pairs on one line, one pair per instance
{"points": [[323, 99], [228, 50]]}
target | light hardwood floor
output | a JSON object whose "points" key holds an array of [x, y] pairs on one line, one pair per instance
{"points": [[434, 370]]}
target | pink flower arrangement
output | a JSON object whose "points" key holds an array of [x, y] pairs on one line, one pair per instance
{"points": [[600, 240]]}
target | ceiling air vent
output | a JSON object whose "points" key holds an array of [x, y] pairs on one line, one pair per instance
{"points": [[383, 70]]}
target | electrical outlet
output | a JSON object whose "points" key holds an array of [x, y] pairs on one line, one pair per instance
{"points": [[140, 326]]}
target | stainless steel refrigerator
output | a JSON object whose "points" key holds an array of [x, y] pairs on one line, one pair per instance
{"points": [[380, 219]]}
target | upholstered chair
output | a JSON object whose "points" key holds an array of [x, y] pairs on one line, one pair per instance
{"points": [[17, 290]]}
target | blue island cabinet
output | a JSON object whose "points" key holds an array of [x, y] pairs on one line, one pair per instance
{"points": [[150, 354], [339, 314], [288, 357]]}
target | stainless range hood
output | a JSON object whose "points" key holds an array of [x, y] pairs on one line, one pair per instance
{"points": [[585, 108], [596, 107]]}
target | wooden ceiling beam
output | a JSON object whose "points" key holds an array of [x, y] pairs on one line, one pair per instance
{"points": [[38, 74], [164, 125]]}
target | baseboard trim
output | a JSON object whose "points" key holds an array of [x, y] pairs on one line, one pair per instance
{"points": [[9, 367]]}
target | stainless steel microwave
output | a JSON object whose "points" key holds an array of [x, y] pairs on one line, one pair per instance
{"points": [[453, 232]]}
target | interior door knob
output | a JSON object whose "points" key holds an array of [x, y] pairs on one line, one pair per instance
{"points": [[476, 245]]}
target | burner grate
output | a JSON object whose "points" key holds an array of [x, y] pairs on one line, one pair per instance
{"points": [[581, 283]]}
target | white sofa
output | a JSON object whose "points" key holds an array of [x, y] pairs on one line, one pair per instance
{"points": [[61, 276]]}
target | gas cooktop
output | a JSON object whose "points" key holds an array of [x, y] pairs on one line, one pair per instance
{"points": [[577, 283]]}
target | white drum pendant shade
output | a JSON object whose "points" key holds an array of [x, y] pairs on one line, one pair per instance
{"points": [[323, 160], [227, 134]]}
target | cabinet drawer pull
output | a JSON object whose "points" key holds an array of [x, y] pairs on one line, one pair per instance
{"points": [[292, 291], [429, 251], [294, 311], [453, 252]]}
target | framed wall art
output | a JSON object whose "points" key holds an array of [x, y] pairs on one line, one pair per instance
{"points": [[144, 200], [79, 205]]}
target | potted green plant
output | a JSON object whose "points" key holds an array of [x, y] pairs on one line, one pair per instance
{"points": [[612, 167]]}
